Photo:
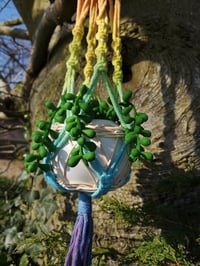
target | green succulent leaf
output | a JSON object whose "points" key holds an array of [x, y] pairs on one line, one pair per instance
{"points": [[141, 118], [30, 158], [45, 167], [147, 155], [43, 125], [75, 132], [37, 136], [32, 167], [146, 133], [82, 90], [75, 110], [75, 151], [131, 137], [81, 141], [42, 152], [74, 160], [69, 96], [53, 134], [90, 133], [89, 156], [35, 146], [89, 145], [145, 141], [59, 118], [126, 110], [50, 106], [127, 96]]}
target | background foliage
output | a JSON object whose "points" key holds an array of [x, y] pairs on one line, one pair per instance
{"points": [[28, 238]]}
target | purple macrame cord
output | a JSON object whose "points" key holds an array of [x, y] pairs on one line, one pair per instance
{"points": [[80, 249]]}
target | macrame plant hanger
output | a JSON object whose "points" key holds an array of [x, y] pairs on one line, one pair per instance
{"points": [[88, 144], [79, 252]]}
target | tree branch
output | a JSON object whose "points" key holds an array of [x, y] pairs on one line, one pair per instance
{"points": [[56, 14], [12, 22], [13, 32]]}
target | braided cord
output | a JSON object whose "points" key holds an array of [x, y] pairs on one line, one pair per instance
{"points": [[116, 45], [102, 36], [75, 46], [91, 43], [72, 63]]}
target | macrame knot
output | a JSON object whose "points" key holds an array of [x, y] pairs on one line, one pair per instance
{"points": [[84, 204]]}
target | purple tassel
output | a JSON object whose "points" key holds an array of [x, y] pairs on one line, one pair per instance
{"points": [[80, 249]]}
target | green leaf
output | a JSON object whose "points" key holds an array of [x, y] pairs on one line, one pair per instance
{"points": [[147, 155], [75, 110], [82, 90], [89, 145], [43, 125], [30, 158], [67, 106], [89, 156], [35, 146], [137, 129], [127, 95], [86, 118], [130, 137], [24, 260], [51, 113], [37, 136], [50, 207], [71, 119], [90, 133], [59, 118], [32, 167], [75, 151], [69, 96], [141, 118], [83, 106], [134, 152], [103, 106], [45, 167], [42, 151], [75, 132], [145, 141], [81, 141], [74, 160], [49, 144], [128, 119], [146, 133], [70, 125], [53, 134], [126, 110], [61, 112], [50, 106]]}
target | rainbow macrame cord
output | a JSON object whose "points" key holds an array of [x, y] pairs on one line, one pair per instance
{"points": [[79, 253]]}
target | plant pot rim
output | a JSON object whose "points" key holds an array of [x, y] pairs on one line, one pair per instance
{"points": [[101, 126]]}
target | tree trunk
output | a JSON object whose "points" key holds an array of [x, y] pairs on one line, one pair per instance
{"points": [[161, 64]]}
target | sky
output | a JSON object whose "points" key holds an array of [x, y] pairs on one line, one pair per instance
{"points": [[21, 56], [7, 10]]}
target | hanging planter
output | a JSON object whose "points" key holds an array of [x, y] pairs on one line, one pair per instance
{"points": [[110, 168], [88, 144]]}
